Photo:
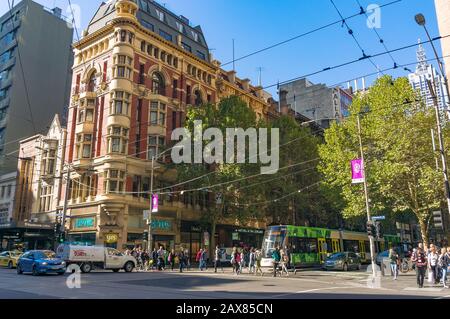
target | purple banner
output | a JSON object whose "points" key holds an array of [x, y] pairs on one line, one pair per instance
{"points": [[357, 171], [154, 203]]}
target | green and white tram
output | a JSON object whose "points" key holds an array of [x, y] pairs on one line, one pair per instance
{"points": [[310, 246]]}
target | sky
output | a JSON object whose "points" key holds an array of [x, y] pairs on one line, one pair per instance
{"points": [[256, 24]]}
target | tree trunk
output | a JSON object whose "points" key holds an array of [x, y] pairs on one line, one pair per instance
{"points": [[424, 230]]}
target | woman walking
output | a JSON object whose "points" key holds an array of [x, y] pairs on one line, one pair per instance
{"points": [[394, 259], [258, 257], [444, 262], [433, 264], [284, 261]]}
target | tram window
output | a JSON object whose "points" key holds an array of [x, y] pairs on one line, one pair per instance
{"points": [[329, 245], [303, 245], [351, 245], [367, 246]]}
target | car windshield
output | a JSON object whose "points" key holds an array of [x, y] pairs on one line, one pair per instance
{"points": [[44, 254], [336, 256]]}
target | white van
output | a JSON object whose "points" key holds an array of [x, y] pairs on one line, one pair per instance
{"points": [[96, 257]]}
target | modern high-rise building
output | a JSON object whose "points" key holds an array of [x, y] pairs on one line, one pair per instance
{"points": [[317, 102], [443, 17], [138, 69], [424, 72], [35, 73]]}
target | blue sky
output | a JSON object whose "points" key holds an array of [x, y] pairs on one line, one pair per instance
{"points": [[255, 24]]}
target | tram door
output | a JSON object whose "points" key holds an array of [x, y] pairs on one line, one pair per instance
{"points": [[335, 245], [362, 250], [322, 249]]}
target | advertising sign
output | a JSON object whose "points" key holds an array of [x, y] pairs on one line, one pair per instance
{"points": [[154, 203], [357, 171]]}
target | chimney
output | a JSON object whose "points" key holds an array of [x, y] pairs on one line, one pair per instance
{"points": [[57, 12], [231, 76], [246, 84], [363, 84], [284, 107]]}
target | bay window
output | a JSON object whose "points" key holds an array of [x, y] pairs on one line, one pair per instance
{"points": [[117, 139], [157, 113], [114, 181]]}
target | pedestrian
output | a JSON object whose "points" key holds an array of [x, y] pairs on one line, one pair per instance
{"points": [[252, 261], [420, 260], [284, 259], [235, 260], [258, 257], [203, 259], [242, 261], [394, 259], [433, 257], [444, 262], [171, 259], [182, 259], [160, 254], [217, 259], [198, 257], [155, 258], [246, 259], [276, 260]]}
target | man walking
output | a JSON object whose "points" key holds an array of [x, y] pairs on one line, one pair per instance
{"points": [[420, 260], [276, 257], [217, 259]]}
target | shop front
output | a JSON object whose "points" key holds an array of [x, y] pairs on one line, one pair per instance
{"points": [[163, 233], [232, 236], [83, 230], [27, 236], [191, 238]]}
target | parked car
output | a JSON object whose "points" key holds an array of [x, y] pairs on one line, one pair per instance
{"points": [[9, 258], [342, 261], [40, 262], [96, 257], [381, 256]]}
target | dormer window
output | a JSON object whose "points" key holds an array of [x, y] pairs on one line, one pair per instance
{"points": [[180, 27], [160, 15], [195, 35]]}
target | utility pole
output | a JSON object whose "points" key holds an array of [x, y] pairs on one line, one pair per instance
{"points": [[149, 220], [441, 143], [372, 255], [66, 200]]}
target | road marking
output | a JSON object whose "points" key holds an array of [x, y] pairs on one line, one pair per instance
{"points": [[310, 290], [424, 289]]}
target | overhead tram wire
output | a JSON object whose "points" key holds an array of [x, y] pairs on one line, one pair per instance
{"points": [[302, 35], [27, 94], [352, 34], [380, 39]]}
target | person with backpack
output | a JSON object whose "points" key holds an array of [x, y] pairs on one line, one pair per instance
{"points": [[276, 257], [182, 259], [203, 260], [394, 259], [421, 266], [217, 259]]}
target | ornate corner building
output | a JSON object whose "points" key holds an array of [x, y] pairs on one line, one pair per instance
{"points": [[137, 69]]}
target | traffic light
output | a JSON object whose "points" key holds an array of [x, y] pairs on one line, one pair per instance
{"points": [[370, 229], [437, 220], [145, 236], [62, 237], [378, 230]]}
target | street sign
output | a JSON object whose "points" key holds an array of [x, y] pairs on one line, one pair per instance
{"points": [[378, 217], [146, 214]]}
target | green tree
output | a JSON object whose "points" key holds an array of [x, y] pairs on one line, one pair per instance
{"points": [[229, 113], [400, 168]]}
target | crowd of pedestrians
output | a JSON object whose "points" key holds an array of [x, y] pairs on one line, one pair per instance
{"points": [[433, 261], [159, 259]]}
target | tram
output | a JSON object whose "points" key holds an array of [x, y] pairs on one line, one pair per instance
{"points": [[310, 246]]}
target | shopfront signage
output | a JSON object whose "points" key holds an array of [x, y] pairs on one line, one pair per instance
{"points": [[88, 222], [249, 231], [162, 224], [111, 238]]}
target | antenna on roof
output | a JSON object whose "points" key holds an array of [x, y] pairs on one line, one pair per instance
{"points": [[234, 66]]}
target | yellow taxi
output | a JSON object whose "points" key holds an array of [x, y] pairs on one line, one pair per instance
{"points": [[9, 258]]}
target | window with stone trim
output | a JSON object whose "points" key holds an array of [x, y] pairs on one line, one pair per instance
{"points": [[155, 145], [83, 146], [157, 113], [114, 181], [117, 139], [120, 103]]}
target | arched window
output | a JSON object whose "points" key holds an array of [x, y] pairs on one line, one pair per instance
{"points": [[92, 83], [158, 85], [198, 98]]}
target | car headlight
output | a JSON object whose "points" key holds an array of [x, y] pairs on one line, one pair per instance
{"points": [[63, 263], [44, 263]]}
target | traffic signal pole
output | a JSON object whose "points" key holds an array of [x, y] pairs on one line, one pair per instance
{"points": [[66, 201], [371, 239]]}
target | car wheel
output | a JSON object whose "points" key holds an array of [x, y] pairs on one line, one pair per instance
{"points": [[86, 268], [19, 270], [10, 265], [34, 271], [128, 267], [345, 267]]}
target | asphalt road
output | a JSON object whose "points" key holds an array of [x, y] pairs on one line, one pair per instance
{"points": [[306, 284]]}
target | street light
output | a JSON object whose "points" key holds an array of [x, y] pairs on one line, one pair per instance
{"points": [[420, 20], [323, 119]]}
